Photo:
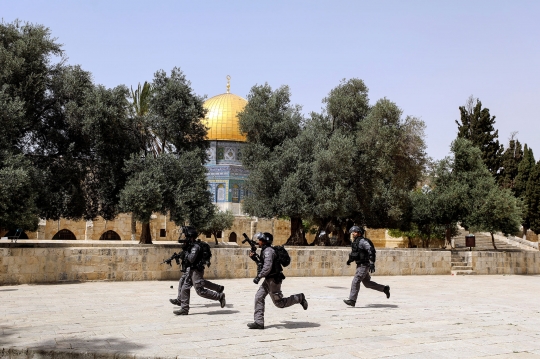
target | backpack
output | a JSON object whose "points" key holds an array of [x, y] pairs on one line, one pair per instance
{"points": [[205, 253], [283, 256]]}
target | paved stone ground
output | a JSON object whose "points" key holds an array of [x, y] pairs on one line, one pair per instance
{"points": [[426, 317]]}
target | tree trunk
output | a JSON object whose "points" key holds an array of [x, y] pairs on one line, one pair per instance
{"points": [[146, 236], [298, 237], [133, 228], [447, 237], [493, 241], [215, 238]]}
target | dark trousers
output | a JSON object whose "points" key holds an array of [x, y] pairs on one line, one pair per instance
{"points": [[362, 276], [204, 288], [269, 286]]}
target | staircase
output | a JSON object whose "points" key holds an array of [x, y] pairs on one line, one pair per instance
{"points": [[483, 243], [460, 265]]}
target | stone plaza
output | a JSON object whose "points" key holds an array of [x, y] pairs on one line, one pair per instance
{"points": [[437, 316]]}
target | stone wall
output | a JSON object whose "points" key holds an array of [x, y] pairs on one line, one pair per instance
{"points": [[50, 262], [159, 224], [526, 262]]}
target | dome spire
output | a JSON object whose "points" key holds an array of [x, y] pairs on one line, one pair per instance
{"points": [[228, 84]]}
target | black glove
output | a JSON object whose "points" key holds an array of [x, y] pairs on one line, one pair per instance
{"points": [[256, 280], [349, 262], [371, 267]]}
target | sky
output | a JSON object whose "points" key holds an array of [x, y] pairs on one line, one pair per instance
{"points": [[426, 56]]}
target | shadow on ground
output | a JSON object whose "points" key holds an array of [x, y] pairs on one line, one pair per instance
{"points": [[217, 312], [294, 325], [378, 306], [6, 333], [213, 305], [90, 345], [8, 290], [337, 287]]}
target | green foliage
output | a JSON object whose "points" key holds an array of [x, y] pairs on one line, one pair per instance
{"points": [[267, 120], [17, 195], [176, 114], [465, 191], [347, 104], [476, 125], [525, 168], [167, 118], [142, 195], [78, 138], [141, 100], [170, 184], [532, 200], [511, 159], [497, 211], [76, 135], [390, 161], [26, 53], [220, 221], [352, 163], [277, 181]]}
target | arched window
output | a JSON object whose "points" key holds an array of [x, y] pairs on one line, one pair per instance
{"points": [[235, 193], [232, 237], [220, 193], [109, 236], [64, 234]]}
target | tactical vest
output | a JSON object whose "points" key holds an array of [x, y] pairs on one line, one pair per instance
{"points": [[361, 255], [276, 266]]}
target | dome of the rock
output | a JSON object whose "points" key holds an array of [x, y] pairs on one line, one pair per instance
{"points": [[222, 119]]}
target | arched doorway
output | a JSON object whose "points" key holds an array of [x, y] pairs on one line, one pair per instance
{"points": [[11, 233], [232, 237], [109, 236], [65, 234]]}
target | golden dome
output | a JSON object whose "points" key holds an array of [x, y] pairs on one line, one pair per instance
{"points": [[221, 118]]}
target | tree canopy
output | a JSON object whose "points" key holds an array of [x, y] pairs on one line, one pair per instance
{"points": [[73, 149], [477, 125], [352, 163]]}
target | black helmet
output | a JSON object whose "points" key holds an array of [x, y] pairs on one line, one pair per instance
{"points": [[265, 237], [190, 232], [357, 229]]}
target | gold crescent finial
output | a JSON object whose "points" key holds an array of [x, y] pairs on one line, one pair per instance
{"points": [[228, 84]]}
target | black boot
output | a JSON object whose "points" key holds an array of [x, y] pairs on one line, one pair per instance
{"points": [[180, 312], [350, 302], [387, 291], [303, 302], [255, 326], [221, 289], [174, 301], [222, 300]]}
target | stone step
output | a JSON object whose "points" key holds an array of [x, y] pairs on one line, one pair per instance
{"points": [[458, 263], [462, 272], [483, 242], [458, 268]]}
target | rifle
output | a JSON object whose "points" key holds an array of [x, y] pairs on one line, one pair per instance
{"points": [[176, 257], [253, 245], [255, 257]]}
